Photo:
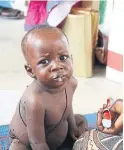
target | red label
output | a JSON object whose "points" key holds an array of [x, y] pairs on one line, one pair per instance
{"points": [[107, 115], [115, 60]]}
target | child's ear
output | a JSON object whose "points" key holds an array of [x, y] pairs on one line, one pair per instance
{"points": [[29, 71]]}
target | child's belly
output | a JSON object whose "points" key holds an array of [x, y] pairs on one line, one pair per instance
{"points": [[54, 139], [57, 137]]}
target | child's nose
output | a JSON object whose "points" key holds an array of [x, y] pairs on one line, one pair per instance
{"points": [[56, 65]]}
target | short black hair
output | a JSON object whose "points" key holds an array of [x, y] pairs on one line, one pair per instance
{"points": [[35, 30]]}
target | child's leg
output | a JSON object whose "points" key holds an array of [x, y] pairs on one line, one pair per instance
{"points": [[17, 145], [82, 126], [81, 123], [67, 144]]}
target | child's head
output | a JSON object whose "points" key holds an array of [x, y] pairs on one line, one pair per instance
{"points": [[46, 51]]}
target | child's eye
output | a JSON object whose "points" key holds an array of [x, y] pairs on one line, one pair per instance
{"points": [[63, 57], [44, 62]]}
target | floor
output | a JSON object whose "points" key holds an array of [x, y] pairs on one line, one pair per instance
{"points": [[91, 93]]}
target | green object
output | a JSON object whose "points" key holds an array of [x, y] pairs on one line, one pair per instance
{"points": [[102, 9]]}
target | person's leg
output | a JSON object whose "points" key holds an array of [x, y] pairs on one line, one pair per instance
{"points": [[7, 10], [17, 145], [11, 13], [94, 139]]}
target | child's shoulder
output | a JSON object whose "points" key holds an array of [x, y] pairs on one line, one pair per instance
{"points": [[73, 83], [33, 97]]}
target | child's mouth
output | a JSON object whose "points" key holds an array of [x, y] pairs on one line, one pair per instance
{"points": [[59, 78]]}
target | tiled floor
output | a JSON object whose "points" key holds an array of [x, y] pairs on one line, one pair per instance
{"points": [[90, 94]]}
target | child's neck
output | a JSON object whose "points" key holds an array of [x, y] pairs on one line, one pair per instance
{"points": [[49, 90]]}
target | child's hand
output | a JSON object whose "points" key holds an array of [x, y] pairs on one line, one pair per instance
{"points": [[117, 126], [78, 131], [78, 126], [75, 134]]}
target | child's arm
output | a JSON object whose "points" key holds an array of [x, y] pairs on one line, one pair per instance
{"points": [[35, 113], [71, 119], [77, 124], [72, 127]]}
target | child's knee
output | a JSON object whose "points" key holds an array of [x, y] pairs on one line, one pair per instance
{"points": [[81, 123]]}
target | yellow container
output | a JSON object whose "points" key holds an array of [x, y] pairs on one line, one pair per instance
{"points": [[79, 33], [94, 21]]}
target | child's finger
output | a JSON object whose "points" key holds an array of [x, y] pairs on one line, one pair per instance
{"points": [[74, 137]]}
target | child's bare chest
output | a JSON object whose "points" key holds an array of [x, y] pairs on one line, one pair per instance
{"points": [[57, 111], [56, 116]]}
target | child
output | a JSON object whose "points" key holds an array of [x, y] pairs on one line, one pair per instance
{"points": [[44, 116]]}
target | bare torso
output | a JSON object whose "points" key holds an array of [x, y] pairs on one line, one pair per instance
{"points": [[57, 109]]}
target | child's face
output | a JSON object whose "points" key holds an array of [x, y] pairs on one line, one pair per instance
{"points": [[50, 61]]}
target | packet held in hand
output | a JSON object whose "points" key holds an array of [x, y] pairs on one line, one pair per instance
{"points": [[108, 116]]}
